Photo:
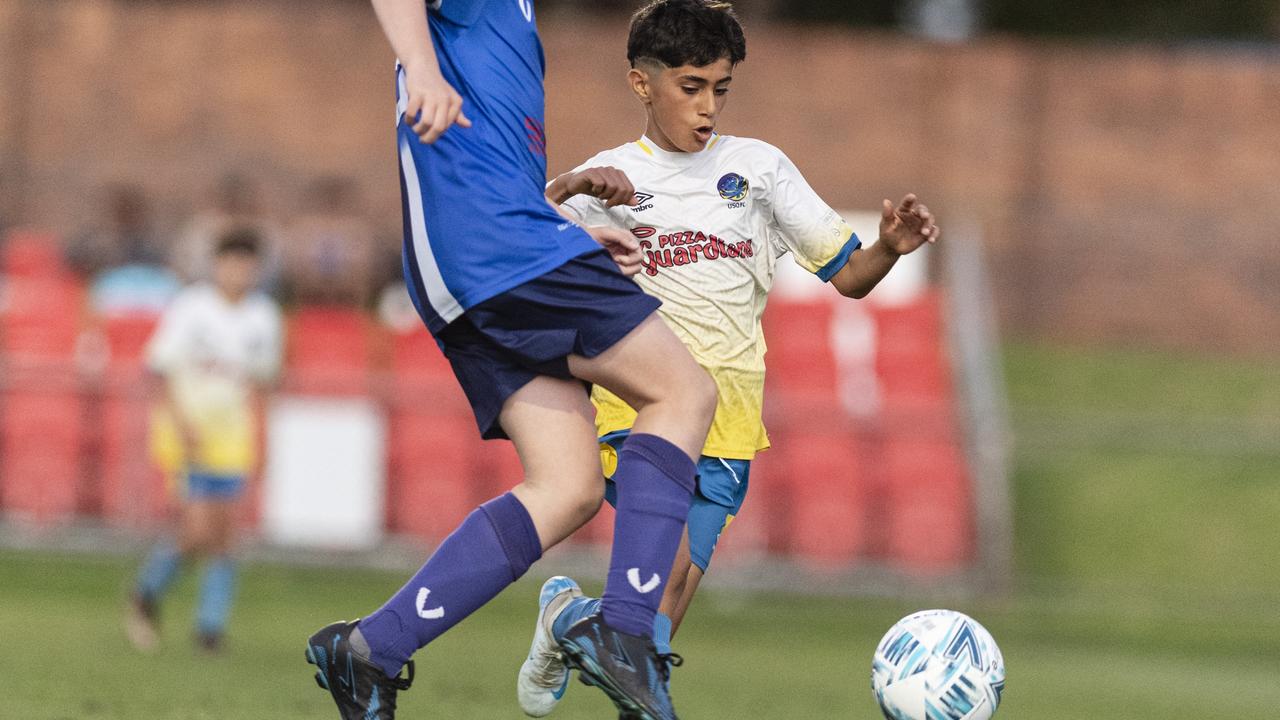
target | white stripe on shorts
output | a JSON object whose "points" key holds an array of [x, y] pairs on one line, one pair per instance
{"points": [[438, 295], [734, 473]]}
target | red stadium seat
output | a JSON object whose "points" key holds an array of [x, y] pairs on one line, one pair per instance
{"points": [[911, 359], [328, 351], [127, 338], [132, 491], [930, 506], [436, 456], [497, 468], [42, 414], [432, 485], [826, 508], [31, 253], [42, 317], [769, 499], [41, 432], [800, 358], [415, 355], [748, 534]]}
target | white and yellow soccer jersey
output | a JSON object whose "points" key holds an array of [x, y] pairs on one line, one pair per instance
{"points": [[712, 225], [211, 353]]}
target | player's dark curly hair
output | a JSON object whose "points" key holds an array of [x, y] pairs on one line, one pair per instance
{"points": [[686, 32], [238, 241]]}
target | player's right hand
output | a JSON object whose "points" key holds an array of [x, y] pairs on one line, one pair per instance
{"points": [[622, 246], [433, 106], [607, 183]]}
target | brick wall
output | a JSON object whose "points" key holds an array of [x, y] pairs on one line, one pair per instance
{"points": [[1124, 191]]}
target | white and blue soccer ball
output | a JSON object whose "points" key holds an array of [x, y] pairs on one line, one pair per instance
{"points": [[938, 665]]}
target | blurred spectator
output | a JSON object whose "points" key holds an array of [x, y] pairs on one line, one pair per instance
{"points": [[125, 236], [214, 352], [330, 250], [236, 202]]}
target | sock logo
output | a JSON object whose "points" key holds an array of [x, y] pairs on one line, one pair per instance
{"points": [[423, 612], [633, 577]]}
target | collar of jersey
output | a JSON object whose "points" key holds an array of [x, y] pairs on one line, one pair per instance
{"points": [[677, 159]]}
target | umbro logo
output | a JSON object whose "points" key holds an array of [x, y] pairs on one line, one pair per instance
{"points": [[643, 202], [633, 577]]}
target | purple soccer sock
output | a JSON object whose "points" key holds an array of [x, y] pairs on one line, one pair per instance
{"points": [[655, 482], [492, 548]]}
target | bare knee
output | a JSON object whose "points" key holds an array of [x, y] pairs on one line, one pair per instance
{"points": [[586, 502], [559, 506]]}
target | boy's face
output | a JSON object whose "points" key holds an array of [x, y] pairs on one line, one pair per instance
{"points": [[683, 102], [235, 273]]}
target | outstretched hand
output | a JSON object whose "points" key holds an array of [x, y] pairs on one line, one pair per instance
{"points": [[622, 247], [433, 105], [607, 183], [908, 226]]}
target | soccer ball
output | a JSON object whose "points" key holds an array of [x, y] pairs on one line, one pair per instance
{"points": [[938, 665]]}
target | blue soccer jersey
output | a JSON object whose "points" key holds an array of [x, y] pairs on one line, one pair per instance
{"points": [[476, 221]]}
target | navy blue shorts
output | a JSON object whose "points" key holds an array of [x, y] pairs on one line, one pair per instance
{"points": [[497, 347]]}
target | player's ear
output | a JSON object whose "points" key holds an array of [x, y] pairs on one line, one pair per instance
{"points": [[639, 80]]}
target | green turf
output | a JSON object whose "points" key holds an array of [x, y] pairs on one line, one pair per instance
{"points": [[1146, 472], [749, 657], [1146, 499]]}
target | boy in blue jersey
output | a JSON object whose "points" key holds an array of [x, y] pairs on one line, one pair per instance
{"points": [[528, 308], [718, 213]]}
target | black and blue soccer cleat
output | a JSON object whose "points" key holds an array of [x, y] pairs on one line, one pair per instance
{"points": [[359, 687], [626, 667]]}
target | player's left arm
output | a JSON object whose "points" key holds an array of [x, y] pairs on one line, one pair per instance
{"points": [[902, 231], [824, 244]]}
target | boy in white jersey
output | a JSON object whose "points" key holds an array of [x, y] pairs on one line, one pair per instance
{"points": [[215, 347], [714, 214]]}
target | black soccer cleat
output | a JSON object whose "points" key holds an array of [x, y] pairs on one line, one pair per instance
{"points": [[626, 667], [359, 687], [210, 643]]}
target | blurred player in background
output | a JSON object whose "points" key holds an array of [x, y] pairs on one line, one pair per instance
{"points": [[714, 215], [215, 348], [526, 306]]}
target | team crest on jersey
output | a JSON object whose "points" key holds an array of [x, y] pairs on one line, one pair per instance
{"points": [[733, 187]]}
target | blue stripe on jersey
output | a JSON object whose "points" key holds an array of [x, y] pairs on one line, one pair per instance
{"points": [[828, 271], [478, 223]]}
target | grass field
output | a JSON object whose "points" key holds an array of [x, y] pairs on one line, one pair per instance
{"points": [[756, 657], [1147, 492]]}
